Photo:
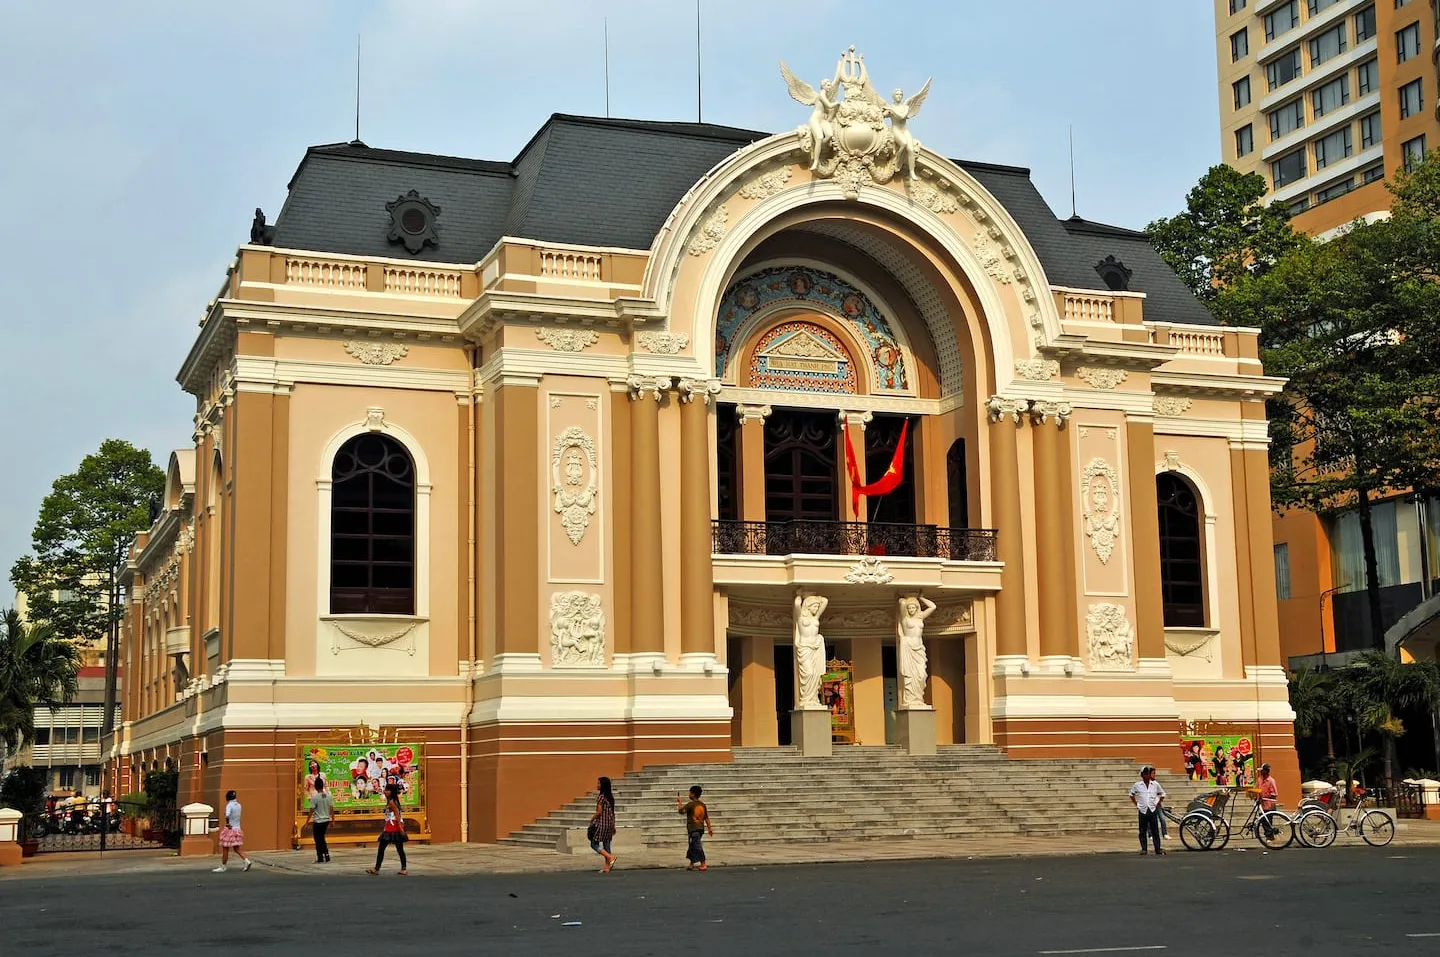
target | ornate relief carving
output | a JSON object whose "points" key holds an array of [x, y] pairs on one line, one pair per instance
{"points": [[999, 407], [567, 340], [1046, 410], [375, 419], [846, 136], [934, 197], [1112, 638], [992, 258], [663, 343], [858, 618], [577, 630], [573, 474], [708, 236], [1100, 496], [1185, 646], [752, 413], [1172, 460], [959, 616], [869, 570], [705, 389], [765, 185], [759, 616], [1171, 405], [1039, 370], [657, 386], [373, 637], [1101, 378], [376, 353]]}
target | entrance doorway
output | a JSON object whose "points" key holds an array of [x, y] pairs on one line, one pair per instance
{"points": [[890, 677], [784, 690], [802, 481]]}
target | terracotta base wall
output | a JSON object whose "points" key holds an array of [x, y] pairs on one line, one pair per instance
{"points": [[520, 773]]}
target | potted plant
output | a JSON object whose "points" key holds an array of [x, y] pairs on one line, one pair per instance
{"points": [[134, 812], [161, 789], [24, 791]]}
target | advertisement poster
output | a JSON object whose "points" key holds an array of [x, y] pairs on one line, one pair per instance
{"points": [[1221, 760], [836, 691], [356, 775]]}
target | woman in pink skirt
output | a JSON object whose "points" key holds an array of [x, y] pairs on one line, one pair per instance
{"points": [[231, 836]]}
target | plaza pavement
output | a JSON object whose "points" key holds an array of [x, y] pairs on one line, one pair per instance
{"points": [[480, 859]]}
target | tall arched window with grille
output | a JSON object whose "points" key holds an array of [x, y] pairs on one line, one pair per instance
{"points": [[372, 528], [1182, 574]]}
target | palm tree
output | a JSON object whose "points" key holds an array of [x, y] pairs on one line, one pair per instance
{"points": [[1386, 686], [1312, 697], [35, 667]]}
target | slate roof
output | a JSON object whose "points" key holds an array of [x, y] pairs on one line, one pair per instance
{"points": [[612, 182]]}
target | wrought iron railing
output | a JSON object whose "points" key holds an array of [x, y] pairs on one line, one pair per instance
{"points": [[853, 538]]}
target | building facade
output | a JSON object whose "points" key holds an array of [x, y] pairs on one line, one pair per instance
{"points": [[545, 462], [1326, 98]]}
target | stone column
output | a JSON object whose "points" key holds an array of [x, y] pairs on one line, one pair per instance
{"points": [[1006, 416], [855, 422], [1052, 533], [759, 723], [647, 607], [1145, 541], [752, 461], [196, 822], [697, 588]]}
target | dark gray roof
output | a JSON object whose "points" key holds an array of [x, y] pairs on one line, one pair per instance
{"points": [[604, 182]]}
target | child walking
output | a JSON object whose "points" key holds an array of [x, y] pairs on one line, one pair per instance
{"points": [[393, 832], [231, 836], [697, 825]]}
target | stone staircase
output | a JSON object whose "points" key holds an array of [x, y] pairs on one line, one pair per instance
{"points": [[869, 793]]}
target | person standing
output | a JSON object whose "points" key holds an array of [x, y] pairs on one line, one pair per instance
{"points": [[321, 804], [697, 825], [1147, 795], [393, 832], [602, 824], [1268, 792], [231, 835]]}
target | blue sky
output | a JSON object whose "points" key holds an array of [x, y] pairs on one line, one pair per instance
{"points": [[138, 139]]}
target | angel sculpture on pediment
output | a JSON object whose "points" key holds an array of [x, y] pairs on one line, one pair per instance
{"points": [[900, 113], [820, 127]]}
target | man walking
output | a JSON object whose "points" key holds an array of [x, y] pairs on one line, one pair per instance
{"points": [[321, 806], [1147, 795], [697, 824]]}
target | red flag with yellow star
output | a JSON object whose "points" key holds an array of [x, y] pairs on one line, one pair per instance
{"points": [[886, 483]]}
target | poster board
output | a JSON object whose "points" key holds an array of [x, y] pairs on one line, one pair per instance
{"points": [[837, 692], [357, 765], [1221, 760]]}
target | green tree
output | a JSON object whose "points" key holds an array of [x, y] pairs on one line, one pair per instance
{"points": [[1312, 698], [80, 541], [1384, 688], [35, 667], [1225, 233]]}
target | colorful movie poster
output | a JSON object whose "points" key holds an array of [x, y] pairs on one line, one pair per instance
{"points": [[356, 775], [1221, 760], [837, 690]]}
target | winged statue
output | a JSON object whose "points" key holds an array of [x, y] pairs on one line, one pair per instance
{"points": [[900, 113], [820, 126]]}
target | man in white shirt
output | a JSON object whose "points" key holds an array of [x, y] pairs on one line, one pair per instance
{"points": [[1147, 795]]}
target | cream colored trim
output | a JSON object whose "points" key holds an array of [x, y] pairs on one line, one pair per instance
{"points": [[343, 257], [1236, 430], [1081, 705], [1193, 384], [270, 374], [556, 709], [833, 400], [1211, 558], [831, 571]]}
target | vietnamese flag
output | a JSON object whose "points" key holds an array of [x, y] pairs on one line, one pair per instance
{"points": [[886, 483]]}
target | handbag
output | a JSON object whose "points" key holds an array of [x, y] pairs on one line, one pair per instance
{"points": [[592, 831]]}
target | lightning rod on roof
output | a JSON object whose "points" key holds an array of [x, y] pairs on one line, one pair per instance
{"points": [[357, 88], [699, 101], [1073, 213], [607, 68]]}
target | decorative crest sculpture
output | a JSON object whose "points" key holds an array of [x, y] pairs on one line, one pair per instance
{"points": [[847, 137]]}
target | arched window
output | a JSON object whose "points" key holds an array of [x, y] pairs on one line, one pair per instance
{"points": [[956, 486], [1182, 573], [372, 528]]}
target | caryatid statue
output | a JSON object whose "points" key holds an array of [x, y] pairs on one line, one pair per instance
{"points": [[910, 641], [809, 649]]}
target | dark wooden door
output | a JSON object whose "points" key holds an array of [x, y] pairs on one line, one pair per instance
{"points": [[802, 481]]}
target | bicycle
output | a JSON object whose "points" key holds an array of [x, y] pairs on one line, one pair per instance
{"points": [[1317, 826], [1199, 824], [1268, 827]]}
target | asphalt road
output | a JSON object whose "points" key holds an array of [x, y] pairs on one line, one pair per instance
{"points": [[1290, 902]]}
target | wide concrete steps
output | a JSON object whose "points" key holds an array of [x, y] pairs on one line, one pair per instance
{"points": [[771, 795]]}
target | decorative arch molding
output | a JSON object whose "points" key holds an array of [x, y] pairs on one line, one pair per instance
{"points": [[669, 254], [374, 421], [754, 296]]}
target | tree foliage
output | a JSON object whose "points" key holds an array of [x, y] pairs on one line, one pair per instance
{"points": [[80, 540], [1224, 234], [35, 667]]}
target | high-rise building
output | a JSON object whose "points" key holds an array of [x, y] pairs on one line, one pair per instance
{"points": [[1326, 98]]}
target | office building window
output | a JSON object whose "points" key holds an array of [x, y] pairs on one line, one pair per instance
{"points": [[1282, 571], [1369, 130], [1240, 45], [1373, 173], [1242, 92], [1407, 42], [1288, 168], [1335, 190], [1413, 152], [1333, 148], [67, 778], [1299, 206], [1412, 99], [1367, 76], [1245, 140], [1237, 5], [1287, 118], [1328, 44], [1331, 96], [1365, 24], [92, 777], [1284, 70], [1400, 3], [1282, 19], [1316, 6]]}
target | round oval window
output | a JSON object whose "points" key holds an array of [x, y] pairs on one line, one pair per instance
{"points": [[412, 220]]}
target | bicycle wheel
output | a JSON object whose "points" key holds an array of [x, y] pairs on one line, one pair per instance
{"points": [[1275, 830], [1222, 835], [1197, 831], [1377, 829], [1316, 829]]}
